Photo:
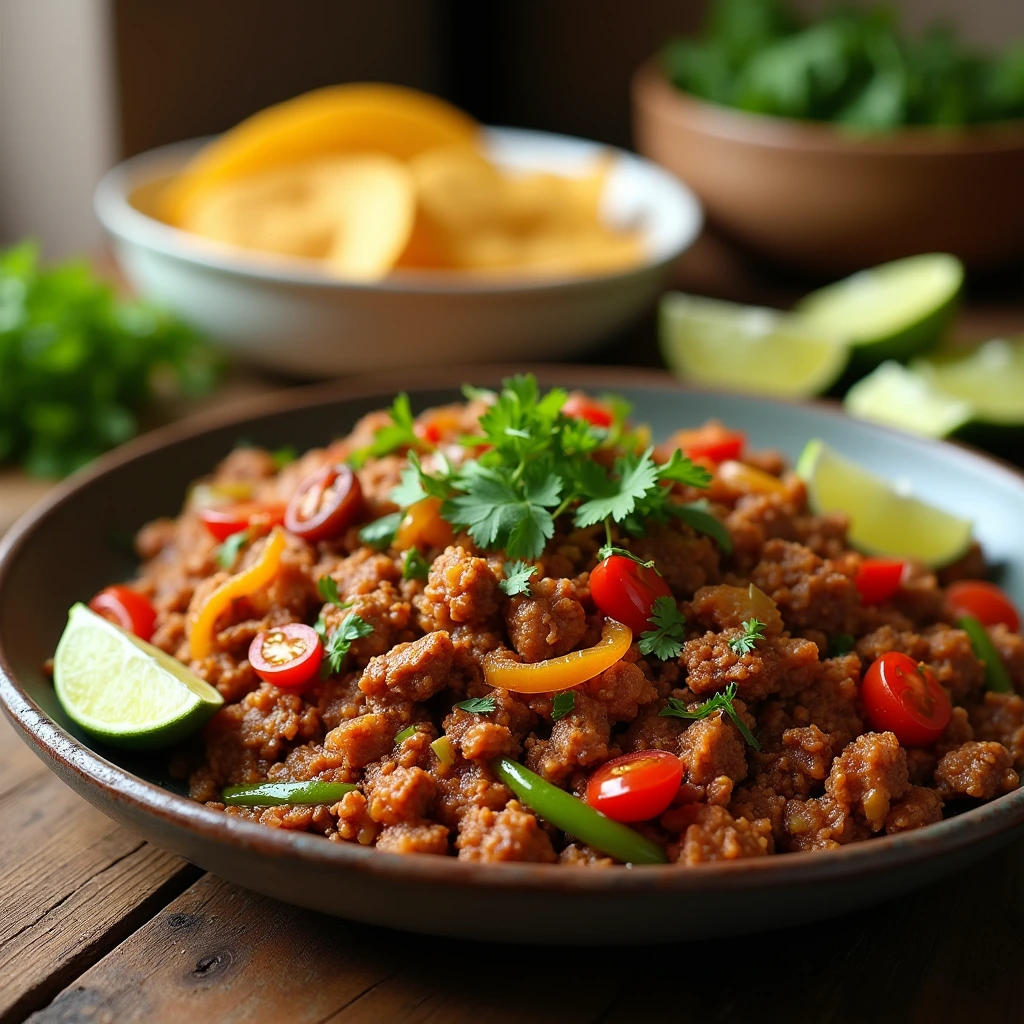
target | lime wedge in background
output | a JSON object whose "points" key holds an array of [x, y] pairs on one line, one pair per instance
{"points": [[990, 379], [123, 690], [893, 311], [747, 348], [883, 519]]}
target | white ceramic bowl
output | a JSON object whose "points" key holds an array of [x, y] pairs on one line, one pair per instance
{"points": [[286, 316]]}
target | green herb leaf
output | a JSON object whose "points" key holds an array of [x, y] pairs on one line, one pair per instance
{"points": [[284, 455], [562, 704], [697, 515], [753, 630], [352, 628], [381, 532], [414, 565], [517, 578], [607, 550], [636, 474], [409, 730], [227, 552], [841, 644], [719, 702], [478, 705], [665, 641], [399, 433], [681, 470], [327, 587], [415, 484]]}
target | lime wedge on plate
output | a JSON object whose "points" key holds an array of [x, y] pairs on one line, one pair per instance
{"points": [[893, 311], [747, 348], [990, 379], [123, 690], [883, 519]]}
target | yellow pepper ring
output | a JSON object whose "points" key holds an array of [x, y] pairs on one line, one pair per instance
{"points": [[559, 673], [242, 584]]}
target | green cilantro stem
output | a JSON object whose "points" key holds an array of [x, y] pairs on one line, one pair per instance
{"points": [[719, 702]]}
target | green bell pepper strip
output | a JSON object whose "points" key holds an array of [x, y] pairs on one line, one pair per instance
{"points": [[580, 820], [996, 676], [276, 794]]}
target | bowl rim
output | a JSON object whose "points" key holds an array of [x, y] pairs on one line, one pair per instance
{"points": [[103, 781], [652, 90], [126, 223]]}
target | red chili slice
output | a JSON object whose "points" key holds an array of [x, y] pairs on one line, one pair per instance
{"points": [[126, 608], [903, 696], [878, 579], [713, 442], [581, 407], [224, 520], [325, 504], [287, 656], [637, 786]]}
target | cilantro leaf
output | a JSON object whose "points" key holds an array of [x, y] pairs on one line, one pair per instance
{"points": [[562, 704], [478, 705], [416, 484], [665, 641], [381, 532], [753, 630], [284, 456], [517, 578], [841, 644], [697, 515], [399, 433], [637, 474], [719, 702], [414, 565], [681, 470], [327, 588], [226, 553], [352, 628]]}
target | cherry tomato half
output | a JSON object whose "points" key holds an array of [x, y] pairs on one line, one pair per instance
{"points": [[287, 656], [580, 407], [903, 696], [126, 608], [637, 786], [626, 591], [984, 601], [878, 579], [325, 504], [712, 441], [224, 520]]}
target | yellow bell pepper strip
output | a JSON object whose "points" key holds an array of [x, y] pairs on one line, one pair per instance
{"points": [[242, 584], [277, 794], [578, 819], [442, 747], [741, 477], [571, 669], [996, 676]]}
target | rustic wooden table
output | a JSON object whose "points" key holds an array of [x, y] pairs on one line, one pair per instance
{"points": [[96, 925]]}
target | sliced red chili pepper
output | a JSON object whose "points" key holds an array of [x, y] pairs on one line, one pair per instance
{"points": [[126, 608], [325, 504], [878, 579], [287, 656], [224, 520]]}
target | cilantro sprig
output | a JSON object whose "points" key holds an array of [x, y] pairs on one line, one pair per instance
{"points": [[399, 433], [562, 704], [517, 578], [226, 553], [478, 705], [719, 702], [753, 630], [414, 565], [352, 628], [665, 641]]}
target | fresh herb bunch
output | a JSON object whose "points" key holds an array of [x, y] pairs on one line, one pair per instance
{"points": [[338, 643], [753, 630], [535, 464], [675, 708], [853, 67], [77, 364]]}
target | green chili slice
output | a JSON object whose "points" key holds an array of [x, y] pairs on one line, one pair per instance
{"points": [[571, 815], [996, 676], [276, 794]]}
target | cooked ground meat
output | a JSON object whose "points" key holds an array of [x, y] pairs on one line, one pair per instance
{"points": [[818, 781]]}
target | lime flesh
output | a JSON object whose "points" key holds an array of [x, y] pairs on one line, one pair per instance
{"points": [[893, 311], [990, 379], [747, 348], [123, 690], [883, 520]]}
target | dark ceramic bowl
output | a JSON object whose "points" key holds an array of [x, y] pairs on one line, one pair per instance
{"points": [[73, 543]]}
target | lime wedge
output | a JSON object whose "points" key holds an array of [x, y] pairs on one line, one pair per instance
{"points": [[123, 690], [893, 311], [747, 348], [883, 519], [990, 379]]}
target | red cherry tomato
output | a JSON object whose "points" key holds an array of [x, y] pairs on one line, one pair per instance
{"points": [[984, 601], [325, 504], [878, 579], [224, 520], [637, 786], [126, 608], [626, 591], [903, 696], [580, 407], [712, 441], [287, 656]]}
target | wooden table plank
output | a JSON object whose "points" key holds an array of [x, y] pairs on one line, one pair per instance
{"points": [[73, 883]]}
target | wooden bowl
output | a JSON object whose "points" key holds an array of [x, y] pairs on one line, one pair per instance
{"points": [[829, 202]]}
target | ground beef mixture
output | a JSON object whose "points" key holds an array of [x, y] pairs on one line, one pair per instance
{"points": [[819, 781]]}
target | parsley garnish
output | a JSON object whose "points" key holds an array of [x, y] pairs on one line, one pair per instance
{"points": [[636, 476], [840, 645], [352, 628], [562, 704], [517, 578], [696, 514], [719, 702], [414, 565], [226, 554], [381, 532], [284, 455], [753, 630], [327, 587], [399, 433], [665, 641], [478, 705]]}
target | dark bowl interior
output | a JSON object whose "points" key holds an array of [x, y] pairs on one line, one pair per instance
{"points": [[79, 540]]}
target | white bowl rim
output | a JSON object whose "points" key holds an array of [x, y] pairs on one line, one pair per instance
{"points": [[126, 223]]}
